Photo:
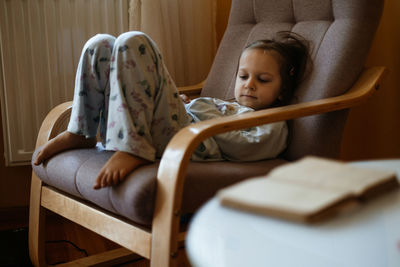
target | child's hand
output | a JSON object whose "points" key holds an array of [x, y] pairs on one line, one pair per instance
{"points": [[185, 98]]}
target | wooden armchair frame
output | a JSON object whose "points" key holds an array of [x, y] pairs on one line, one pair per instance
{"points": [[160, 245]]}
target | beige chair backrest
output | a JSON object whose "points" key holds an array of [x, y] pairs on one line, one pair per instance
{"points": [[340, 33]]}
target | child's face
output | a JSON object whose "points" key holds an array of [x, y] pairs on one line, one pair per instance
{"points": [[258, 80]]}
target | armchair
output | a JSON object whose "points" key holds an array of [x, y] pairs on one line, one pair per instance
{"points": [[143, 214]]}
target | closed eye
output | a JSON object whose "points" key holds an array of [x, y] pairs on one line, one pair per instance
{"points": [[264, 80]]}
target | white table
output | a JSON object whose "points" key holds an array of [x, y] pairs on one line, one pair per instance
{"points": [[369, 236]]}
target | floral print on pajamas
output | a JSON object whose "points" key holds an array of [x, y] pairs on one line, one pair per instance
{"points": [[123, 87]]}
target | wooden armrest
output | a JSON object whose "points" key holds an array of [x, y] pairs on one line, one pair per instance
{"points": [[55, 122], [172, 170], [186, 140], [191, 90]]}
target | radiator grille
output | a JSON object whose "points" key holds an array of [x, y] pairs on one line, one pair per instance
{"points": [[41, 41]]}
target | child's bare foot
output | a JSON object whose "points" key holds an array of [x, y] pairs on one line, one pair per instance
{"points": [[65, 140], [117, 168]]}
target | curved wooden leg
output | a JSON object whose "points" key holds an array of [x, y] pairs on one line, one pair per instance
{"points": [[36, 224]]}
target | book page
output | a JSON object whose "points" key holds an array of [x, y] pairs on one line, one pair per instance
{"points": [[279, 198], [324, 173]]}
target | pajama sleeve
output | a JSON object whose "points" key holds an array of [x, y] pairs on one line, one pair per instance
{"points": [[257, 143]]}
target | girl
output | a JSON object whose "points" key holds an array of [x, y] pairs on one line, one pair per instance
{"points": [[123, 85]]}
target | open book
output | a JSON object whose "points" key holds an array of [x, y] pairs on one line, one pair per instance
{"points": [[307, 190]]}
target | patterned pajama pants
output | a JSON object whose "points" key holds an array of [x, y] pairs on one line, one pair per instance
{"points": [[123, 87]]}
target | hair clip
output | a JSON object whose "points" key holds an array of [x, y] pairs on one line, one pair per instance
{"points": [[291, 71]]}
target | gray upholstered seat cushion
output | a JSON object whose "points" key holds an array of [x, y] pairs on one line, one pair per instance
{"points": [[75, 172]]}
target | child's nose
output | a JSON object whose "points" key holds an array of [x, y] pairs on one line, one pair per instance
{"points": [[250, 84]]}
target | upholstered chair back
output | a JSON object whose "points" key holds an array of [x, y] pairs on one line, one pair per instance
{"points": [[339, 32]]}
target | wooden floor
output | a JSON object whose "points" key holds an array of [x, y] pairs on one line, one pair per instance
{"points": [[67, 241], [60, 232]]}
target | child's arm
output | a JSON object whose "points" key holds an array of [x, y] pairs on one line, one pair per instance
{"points": [[257, 143]]}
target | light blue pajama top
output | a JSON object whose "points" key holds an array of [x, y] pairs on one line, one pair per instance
{"points": [[256, 143]]}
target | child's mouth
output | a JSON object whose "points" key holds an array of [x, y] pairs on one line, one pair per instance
{"points": [[249, 96]]}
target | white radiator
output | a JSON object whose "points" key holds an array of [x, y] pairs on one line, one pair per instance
{"points": [[40, 43]]}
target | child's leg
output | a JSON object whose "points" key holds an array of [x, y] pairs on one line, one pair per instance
{"points": [[90, 98], [91, 94], [145, 109]]}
